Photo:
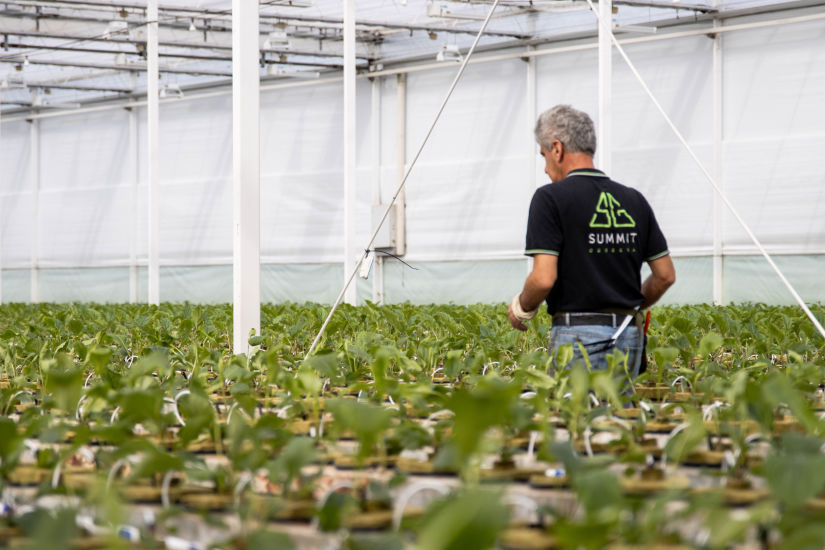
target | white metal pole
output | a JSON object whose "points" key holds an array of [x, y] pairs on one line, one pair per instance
{"points": [[604, 140], [133, 177], [349, 147], [532, 113], [718, 137], [1, 210], [375, 117], [34, 169], [152, 150], [401, 139], [246, 170]]}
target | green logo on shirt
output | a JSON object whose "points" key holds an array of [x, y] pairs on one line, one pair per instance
{"points": [[609, 213]]}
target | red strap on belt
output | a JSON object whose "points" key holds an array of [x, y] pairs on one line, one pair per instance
{"points": [[647, 320]]}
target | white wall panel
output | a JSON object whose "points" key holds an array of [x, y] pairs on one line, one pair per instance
{"points": [[679, 73], [775, 134], [14, 157], [302, 190], [779, 189], [84, 226], [570, 78], [84, 151], [15, 217], [469, 192]]}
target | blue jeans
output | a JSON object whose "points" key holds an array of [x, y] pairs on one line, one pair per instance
{"points": [[629, 342]]}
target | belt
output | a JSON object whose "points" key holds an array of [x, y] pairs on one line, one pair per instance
{"points": [[575, 319]]}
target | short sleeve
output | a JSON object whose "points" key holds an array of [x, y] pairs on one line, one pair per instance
{"points": [[544, 232], [656, 245]]}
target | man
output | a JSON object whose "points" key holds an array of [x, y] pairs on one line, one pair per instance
{"points": [[588, 237]]}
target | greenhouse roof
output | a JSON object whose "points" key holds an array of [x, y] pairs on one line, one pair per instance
{"points": [[62, 54]]}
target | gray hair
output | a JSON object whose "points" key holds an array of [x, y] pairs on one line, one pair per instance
{"points": [[570, 126]]}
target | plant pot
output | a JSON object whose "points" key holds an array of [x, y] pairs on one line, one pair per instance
{"points": [[419, 467], [206, 500], [645, 487], [511, 473], [549, 482], [655, 392], [351, 462], [524, 538]]}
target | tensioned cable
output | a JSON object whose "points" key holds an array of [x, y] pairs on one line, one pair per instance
{"points": [[716, 187], [403, 181]]}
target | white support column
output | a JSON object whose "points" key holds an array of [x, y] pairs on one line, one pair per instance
{"points": [[532, 147], [1, 211], [246, 171], [604, 139], [375, 117], [34, 174], [718, 143], [349, 148], [152, 150], [401, 140], [134, 202]]}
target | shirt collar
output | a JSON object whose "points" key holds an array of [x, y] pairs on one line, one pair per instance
{"points": [[587, 172]]}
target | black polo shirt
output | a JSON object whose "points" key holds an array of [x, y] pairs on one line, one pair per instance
{"points": [[602, 232]]}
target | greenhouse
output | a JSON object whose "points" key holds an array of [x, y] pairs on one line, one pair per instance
{"points": [[256, 256]]}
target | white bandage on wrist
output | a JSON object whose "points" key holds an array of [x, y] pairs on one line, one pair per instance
{"points": [[520, 314]]}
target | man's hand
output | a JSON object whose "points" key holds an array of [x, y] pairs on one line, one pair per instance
{"points": [[514, 320], [536, 288]]}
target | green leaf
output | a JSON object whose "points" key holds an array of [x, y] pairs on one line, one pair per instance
{"points": [[710, 342], [269, 540], [473, 518]]}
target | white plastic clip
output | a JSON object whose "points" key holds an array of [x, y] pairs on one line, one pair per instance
{"points": [[366, 265]]}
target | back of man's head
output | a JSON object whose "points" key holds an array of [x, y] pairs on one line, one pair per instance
{"points": [[570, 126]]}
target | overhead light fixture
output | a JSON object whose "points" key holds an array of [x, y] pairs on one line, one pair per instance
{"points": [[432, 35], [7, 84], [123, 13], [277, 39], [434, 9], [26, 61], [171, 91], [192, 27], [115, 27], [449, 52]]}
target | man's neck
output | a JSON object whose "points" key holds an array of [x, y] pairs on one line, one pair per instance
{"points": [[577, 161]]}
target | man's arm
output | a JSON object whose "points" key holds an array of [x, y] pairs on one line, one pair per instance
{"points": [[662, 276], [536, 287]]}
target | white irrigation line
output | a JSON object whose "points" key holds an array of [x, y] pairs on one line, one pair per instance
{"points": [[719, 191], [403, 181]]}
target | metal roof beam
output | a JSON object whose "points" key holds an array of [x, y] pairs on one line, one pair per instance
{"points": [[201, 46], [19, 57], [113, 67]]}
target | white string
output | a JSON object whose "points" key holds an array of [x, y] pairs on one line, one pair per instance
{"points": [[797, 297], [403, 181]]}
